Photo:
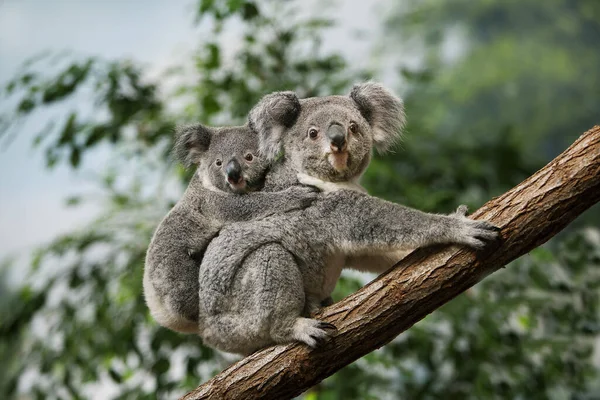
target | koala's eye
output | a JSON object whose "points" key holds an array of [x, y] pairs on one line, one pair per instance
{"points": [[353, 128], [313, 133], [249, 157], [218, 163]]}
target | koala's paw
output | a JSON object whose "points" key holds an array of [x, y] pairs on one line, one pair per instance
{"points": [[328, 187], [471, 232], [306, 179], [311, 331], [300, 196]]}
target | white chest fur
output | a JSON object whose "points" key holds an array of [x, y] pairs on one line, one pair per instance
{"points": [[337, 261], [329, 186]]}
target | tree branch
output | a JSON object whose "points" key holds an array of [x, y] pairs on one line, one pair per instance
{"points": [[529, 215]]}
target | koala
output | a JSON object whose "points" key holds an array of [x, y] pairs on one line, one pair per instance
{"points": [[224, 189], [260, 280]]}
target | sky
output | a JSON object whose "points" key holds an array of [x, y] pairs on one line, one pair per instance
{"points": [[32, 198]]}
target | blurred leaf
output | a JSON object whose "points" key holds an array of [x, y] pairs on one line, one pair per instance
{"points": [[26, 106]]}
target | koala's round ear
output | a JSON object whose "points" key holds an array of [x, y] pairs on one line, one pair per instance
{"points": [[191, 141], [383, 111], [273, 114]]}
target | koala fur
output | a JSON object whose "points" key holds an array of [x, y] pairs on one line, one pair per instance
{"points": [[261, 279], [230, 171]]}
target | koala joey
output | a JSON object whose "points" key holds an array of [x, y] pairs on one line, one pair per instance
{"points": [[224, 189], [261, 279]]}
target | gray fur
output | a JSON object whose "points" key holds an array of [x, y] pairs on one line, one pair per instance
{"points": [[383, 110], [191, 142], [261, 279], [270, 117], [210, 201]]}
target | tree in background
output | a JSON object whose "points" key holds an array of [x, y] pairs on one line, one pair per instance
{"points": [[482, 117]]}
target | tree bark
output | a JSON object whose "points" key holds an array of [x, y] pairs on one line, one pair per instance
{"points": [[529, 215]]}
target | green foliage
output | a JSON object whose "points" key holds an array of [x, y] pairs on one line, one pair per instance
{"points": [[516, 90], [519, 90], [124, 99]]}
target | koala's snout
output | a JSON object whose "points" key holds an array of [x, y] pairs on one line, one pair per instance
{"points": [[337, 136], [233, 170]]}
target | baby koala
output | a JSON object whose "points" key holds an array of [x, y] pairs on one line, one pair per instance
{"points": [[224, 189]]}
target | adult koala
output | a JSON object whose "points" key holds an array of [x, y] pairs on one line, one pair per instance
{"points": [[260, 280], [224, 189]]}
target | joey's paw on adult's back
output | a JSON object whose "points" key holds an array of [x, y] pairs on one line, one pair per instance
{"points": [[300, 196]]}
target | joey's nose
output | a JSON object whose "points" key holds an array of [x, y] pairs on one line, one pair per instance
{"points": [[337, 137], [233, 170]]}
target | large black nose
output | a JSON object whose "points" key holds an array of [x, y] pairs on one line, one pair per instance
{"points": [[337, 136], [233, 171]]}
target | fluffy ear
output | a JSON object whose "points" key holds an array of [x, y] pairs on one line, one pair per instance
{"points": [[190, 142], [382, 110], [270, 117]]}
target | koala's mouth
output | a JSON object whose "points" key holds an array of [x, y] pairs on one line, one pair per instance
{"points": [[338, 160], [238, 185]]}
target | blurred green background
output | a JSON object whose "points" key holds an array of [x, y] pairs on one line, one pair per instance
{"points": [[494, 89]]}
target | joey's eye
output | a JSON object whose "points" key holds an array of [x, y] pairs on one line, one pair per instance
{"points": [[218, 163], [249, 157], [313, 133], [353, 128]]}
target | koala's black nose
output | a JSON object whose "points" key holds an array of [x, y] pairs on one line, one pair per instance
{"points": [[337, 136], [233, 171]]}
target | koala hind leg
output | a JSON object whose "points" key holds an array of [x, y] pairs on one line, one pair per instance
{"points": [[290, 302], [268, 306]]}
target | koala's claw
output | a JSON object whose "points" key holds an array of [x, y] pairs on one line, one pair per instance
{"points": [[311, 331], [319, 340], [327, 325]]}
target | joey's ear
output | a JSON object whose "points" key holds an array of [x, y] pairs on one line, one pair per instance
{"points": [[382, 110], [270, 117], [191, 141]]}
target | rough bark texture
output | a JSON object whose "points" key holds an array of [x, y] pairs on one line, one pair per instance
{"points": [[529, 215]]}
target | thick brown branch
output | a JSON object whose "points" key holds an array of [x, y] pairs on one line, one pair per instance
{"points": [[529, 215]]}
